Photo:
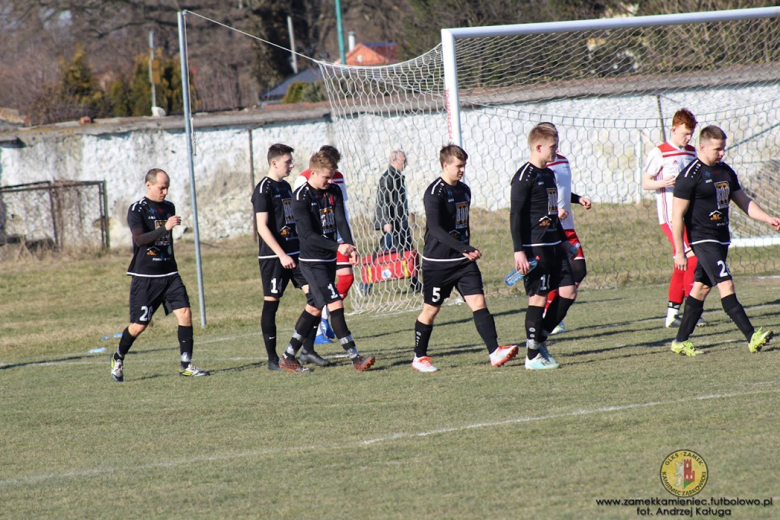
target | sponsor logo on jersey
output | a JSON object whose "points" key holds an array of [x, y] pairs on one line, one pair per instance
{"points": [[722, 191], [289, 219], [716, 216], [552, 201], [461, 215], [328, 220], [545, 221]]}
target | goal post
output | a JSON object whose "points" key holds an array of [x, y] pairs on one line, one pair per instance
{"points": [[611, 87], [449, 36]]}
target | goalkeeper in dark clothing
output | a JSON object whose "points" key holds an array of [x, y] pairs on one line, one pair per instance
{"points": [[156, 279], [449, 261], [318, 207]]}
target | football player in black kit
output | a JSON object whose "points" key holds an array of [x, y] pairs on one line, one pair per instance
{"points": [[156, 279], [318, 207], [449, 261], [702, 194], [279, 250], [537, 234]]}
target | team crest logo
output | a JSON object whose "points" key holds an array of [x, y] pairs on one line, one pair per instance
{"points": [[152, 251], [285, 232], [684, 473], [716, 216], [545, 222]]}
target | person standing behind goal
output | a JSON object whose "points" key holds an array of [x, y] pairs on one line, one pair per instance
{"points": [[702, 195], [664, 164], [449, 261], [156, 279], [562, 170], [537, 234], [318, 208]]}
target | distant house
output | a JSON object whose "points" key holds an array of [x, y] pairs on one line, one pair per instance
{"points": [[361, 54], [372, 54], [277, 92]]}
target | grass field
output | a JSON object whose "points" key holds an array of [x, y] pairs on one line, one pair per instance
{"points": [[467, 442]]}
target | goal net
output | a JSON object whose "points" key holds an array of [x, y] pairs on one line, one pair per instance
{"points": [[611, 88]]}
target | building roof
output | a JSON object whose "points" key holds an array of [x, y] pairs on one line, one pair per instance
{"points": [[372, 54], [310, 75]]}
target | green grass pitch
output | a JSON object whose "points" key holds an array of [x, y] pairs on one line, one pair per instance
{"points": [[470, 441]]}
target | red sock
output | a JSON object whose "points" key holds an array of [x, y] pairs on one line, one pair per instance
{"points": [[692, 263], [550, 297], [344, 283], [677, 286]]}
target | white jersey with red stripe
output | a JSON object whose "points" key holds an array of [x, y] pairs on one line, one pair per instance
{"points": [[338, 180], [560, 166], [663, 162]]}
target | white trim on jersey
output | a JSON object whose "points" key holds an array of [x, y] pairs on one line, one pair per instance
{"points": [[315, 260], [268, 257], [152, 275], [543, 244], [444, 259], [523, 170], [711, 240]]}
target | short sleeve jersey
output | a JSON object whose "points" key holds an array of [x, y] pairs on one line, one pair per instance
{"points": [[663, 162], [709, 190], [154, 260], [534, 195], [562, 170], [449, 205], [275, 198], [319, 207], [338, 180]]}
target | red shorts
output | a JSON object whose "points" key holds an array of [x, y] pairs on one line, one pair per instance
{"points": [[571, 235], [668, 232]]}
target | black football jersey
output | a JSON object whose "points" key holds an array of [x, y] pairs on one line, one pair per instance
{"points": [[275, 198], [534, 208], [156, 259], [447, 231], [320, 218], [709, 190]]}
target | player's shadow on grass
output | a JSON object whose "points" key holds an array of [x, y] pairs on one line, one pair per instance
{"points": [[240, 368], [46, 362]]}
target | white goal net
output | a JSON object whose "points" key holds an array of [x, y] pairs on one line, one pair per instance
{"points": [[611, 88]]}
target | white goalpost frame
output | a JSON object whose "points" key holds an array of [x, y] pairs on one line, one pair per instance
{"points": [[449, 36]]}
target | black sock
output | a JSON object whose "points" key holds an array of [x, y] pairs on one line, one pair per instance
{"points": [[736, 312], [268, 326], [339, 325], [691, 315], [125, 342], [302, 328], [533, 326], [308, 344], [486, 326], [185, 345], [556, 312], [422, 335]]}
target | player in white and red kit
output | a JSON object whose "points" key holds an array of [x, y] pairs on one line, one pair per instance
{"points": [[663, 165], [560, 166], [344, 270]]}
